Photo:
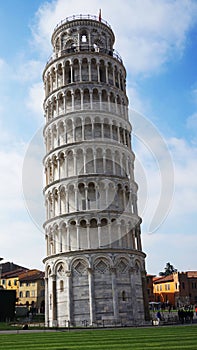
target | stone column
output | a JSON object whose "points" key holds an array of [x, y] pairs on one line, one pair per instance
{"points": [[91, 296], [71, 73], [73, 103], [51, 82], [54, 301], [68, 237], [104, 161], [46, 302], [118, 127], [91, 103], [83, 130], [114, 293], [113, 163], [86, 196], [100, 100], [99, 235], [94, 160], [134, 202], [64, 243], [89, 70], [84, 162], [119, 234], [78, 237], [106, 73], [139, 244], [82, 104], [88, 235], [119, 80], [98, 73], [124, 137], [109, 103], [64, 75], [102, 130], [80, 76], [114, 83], [111, 132], [133, 296], [75, 162], [76, 199], [60, 240], [69, 297]]}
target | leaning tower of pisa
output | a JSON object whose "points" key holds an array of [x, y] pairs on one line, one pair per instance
{"points": [[95, 267]]}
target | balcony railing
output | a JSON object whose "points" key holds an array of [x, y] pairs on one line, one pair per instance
{"points": [[86, 48], [75, 17]]}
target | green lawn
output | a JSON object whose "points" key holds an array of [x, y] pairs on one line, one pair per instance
{"points": [[156, 338]]}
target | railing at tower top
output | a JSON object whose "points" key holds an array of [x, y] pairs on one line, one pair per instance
{"points": [[76, 17], [86, 48]]}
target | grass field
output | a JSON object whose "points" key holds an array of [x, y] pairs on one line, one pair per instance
{"points": [[157, 338]]}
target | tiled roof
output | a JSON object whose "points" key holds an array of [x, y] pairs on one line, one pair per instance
{"points": [[10, 266], [12, 274], [164, 279], [31, 275], [191, 274]]}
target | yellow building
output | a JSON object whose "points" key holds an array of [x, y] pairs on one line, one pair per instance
{"points": [[165, 288], [28, 284], [10, 280], [32, 290]]}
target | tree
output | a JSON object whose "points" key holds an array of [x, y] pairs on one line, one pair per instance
{"points": [[169, 269]]}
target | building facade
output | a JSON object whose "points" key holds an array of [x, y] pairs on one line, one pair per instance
{"points": [[10, 277], [31, 291], [178, 289], [149, 281], [94, 265], [29, 286]]}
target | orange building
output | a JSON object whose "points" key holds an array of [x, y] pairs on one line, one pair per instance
{"points": [[178, 289]]}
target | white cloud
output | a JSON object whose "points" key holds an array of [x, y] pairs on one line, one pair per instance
{"points": [[184, 156], [35, 100], [28, 71]]}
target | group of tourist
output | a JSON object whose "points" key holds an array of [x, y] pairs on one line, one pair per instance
{"points": [[186, 315]]}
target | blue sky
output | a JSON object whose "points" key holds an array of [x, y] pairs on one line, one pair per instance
{"points": [[157, 40]]}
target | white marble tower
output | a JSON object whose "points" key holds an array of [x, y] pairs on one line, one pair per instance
{"points": [[95, 267]]}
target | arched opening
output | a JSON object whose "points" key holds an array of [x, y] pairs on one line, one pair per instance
{"points": [[59, 75], [94, 73], [68, 101], [91, 196], [95, 99], [76, 76], [86, 99], [102, 72], [61, 285], [77, 99], [67, 73], [123, 295], [84, 70]]}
